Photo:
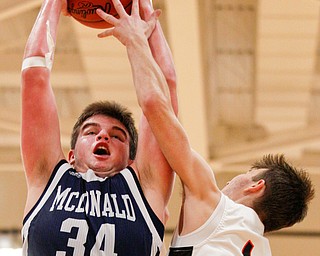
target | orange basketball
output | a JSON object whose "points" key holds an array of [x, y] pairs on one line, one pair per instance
{"points": [[84, 11]]}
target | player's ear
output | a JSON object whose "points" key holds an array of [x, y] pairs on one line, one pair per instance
{"points": [[130, 161], [71, 157], [257, 186]]}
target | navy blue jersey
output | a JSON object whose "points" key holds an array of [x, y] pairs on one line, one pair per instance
{"points": [[82, 214]]}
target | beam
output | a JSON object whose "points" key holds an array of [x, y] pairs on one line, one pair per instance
{"points": [[18, 8], [292, 142], [185, 41]]}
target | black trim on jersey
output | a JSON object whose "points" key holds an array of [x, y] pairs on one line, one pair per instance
{"points": [[158, 252], [247, 249], [180, 251], [157, 222], [56, 168]]}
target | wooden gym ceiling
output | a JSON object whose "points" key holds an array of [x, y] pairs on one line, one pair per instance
{"points": [[285, 76], [286, 42]]}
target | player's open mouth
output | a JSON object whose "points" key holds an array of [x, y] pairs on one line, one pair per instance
{"points": [[101, 151]]}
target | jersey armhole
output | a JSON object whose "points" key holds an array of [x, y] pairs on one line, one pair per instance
{"points": [[156, 221], [53, 174]]}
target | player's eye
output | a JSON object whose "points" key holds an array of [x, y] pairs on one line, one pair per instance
{"points": [[119, 137], [90, 131]]}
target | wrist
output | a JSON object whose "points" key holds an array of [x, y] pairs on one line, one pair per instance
{"points": [[137, 41]]}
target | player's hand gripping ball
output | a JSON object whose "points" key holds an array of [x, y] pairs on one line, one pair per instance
{"points": [[84, 11]]}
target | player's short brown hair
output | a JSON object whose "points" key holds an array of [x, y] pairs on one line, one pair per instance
{"points": [[287, 195]]}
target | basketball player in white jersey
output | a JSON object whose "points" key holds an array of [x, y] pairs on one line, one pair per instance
{"points": [[108, 196], [228, 222]]}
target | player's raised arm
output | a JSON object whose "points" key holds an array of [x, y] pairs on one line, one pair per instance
{"points": [[40, 133], [161, 52], [154, 98], [155, 174], [156, 171], [154, 93]]}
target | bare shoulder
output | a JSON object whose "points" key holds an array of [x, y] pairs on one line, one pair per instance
{"points": [[37, 179]]}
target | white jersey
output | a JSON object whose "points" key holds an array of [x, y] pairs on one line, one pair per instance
{"points": [[232, 230]]}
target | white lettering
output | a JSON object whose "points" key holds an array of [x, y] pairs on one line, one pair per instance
{"points": [[81, 203], [67, 207], [119, 215], [60, 197], [95, 203], [107, 209], [129, 208]]}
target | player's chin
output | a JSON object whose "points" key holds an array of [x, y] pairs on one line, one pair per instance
{"points": [[103, 171]]}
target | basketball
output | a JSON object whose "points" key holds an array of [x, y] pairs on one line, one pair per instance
{"points": [[84, 11]]}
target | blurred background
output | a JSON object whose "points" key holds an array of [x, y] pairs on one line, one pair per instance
{"points": [[248, 76]]}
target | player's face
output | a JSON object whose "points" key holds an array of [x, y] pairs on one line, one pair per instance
{"points": [[102, 145], [235, 189]]}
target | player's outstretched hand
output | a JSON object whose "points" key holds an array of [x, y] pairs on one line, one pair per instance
{"points": [[127, 27]]}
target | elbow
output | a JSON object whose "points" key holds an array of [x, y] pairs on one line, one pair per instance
{"points": [[152, 103], [171, 78], [35, 75], [172, 85]]}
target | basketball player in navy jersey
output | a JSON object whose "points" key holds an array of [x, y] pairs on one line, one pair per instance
{"points": [[109, 195], [232, 222]]}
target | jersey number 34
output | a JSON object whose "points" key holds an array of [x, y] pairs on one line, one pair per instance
{"points": [[106, 233]]}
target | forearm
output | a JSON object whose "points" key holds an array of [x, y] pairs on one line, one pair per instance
{"points": [[162, 53], [39, 112], [163, 56], [37, 44], [149, 81]]}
